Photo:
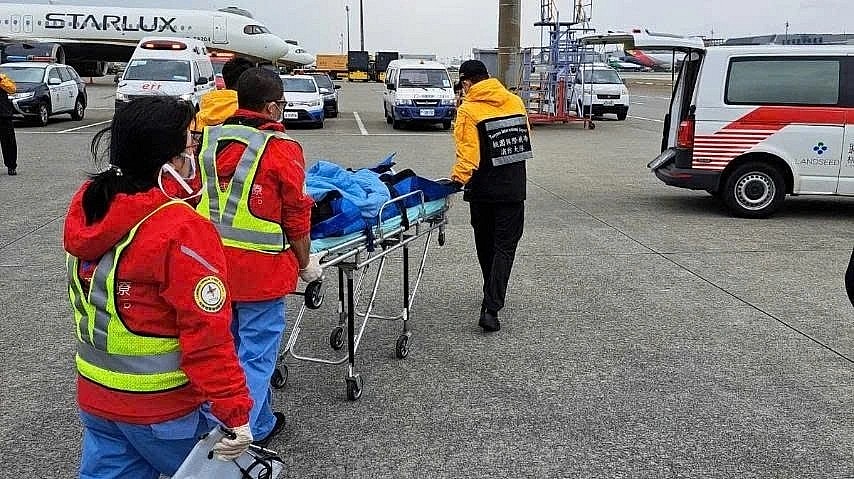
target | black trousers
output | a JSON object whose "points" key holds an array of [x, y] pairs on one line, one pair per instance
{"points": [[497, 231], [8, 145]]}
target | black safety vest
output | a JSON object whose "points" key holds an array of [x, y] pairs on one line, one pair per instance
{"points": [[505, 147]]}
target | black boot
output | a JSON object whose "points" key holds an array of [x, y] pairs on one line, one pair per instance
{"points": [[489, 321], [12, 171]]}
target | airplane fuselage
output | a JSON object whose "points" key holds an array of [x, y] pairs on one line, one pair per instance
{"points": [[100, 28]]}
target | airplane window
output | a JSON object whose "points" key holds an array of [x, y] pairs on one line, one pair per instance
{"points": [[255, 30], [24, 74], [158, 70]]}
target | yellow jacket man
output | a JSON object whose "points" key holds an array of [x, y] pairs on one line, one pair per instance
{"points": [[493, 144], [8, 144], [220, 105]]}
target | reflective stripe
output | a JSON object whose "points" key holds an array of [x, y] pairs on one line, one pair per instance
{"points": [[249, 159], [196, 256], [98, 297], [208, 155], [505, 123], [75, 291], [118, 363], [274, 240], [506, 160]]}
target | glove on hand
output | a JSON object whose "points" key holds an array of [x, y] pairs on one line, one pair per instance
{"points": [[313, 271], [228, 449]]}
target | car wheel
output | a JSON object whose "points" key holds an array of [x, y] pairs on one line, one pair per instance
{"points": [[754, 190], [396, 124], [44, 113], [622, 114], [79, 110], [446, 125]]}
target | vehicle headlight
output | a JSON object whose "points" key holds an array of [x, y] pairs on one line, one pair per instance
{"points": [[121, 96], [187, 97], [449, 102], [400, 102], [315, 103]]}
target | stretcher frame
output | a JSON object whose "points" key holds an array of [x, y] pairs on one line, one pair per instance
{"points": [[354, 258]]}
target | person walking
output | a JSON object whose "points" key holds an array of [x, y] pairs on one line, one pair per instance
{"points": [[493, 144], [8, 143]]}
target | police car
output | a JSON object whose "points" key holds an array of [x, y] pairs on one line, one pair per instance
{"points": [[45, 89]]}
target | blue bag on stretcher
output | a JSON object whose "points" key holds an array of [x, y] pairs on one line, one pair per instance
{"points": [[256, 463], [349, 201]]}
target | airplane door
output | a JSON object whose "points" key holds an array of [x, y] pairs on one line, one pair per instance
{"points": [[16, 24], [28, 24], [220, 31]]}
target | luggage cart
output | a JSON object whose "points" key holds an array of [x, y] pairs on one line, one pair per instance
{"points": [[352, 257]]}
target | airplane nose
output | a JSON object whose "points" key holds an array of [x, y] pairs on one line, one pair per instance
{"points": [[278, 48]]}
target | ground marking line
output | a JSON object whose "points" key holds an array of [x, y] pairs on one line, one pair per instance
{"points": [[84, 126], [361, 125]]}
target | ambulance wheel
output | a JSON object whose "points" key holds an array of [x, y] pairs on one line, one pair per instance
{"points": [[401, 349], [336, 338], [354, 387], [280, 377], [754, 190], [314, 295]]}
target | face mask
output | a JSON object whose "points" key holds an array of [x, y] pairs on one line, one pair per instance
{"points": [[170, 170], [192, 159], [281, 116]]}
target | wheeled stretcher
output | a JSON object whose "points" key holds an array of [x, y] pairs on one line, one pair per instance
{"points": [[351, 257]]}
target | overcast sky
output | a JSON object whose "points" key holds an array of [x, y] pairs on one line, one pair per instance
{"points": [[453, 27]]}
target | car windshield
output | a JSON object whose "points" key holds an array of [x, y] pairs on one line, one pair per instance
{"points": [[299, 85], [424, 78], [323, 81], [24, 74], [601, 76], [158, 70]]}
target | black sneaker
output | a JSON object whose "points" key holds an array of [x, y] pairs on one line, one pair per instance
{"points": [[489, 321], [280, 424], [12, 171]]}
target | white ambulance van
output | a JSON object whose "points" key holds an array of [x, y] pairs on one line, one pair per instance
{"points": [[751, 124], [418, 91], [177, 67]]}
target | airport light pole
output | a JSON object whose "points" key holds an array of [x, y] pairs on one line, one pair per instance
{"points": [[509, 33], [362, 24], [347, 8]]}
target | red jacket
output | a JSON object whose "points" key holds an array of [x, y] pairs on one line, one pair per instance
{"points": [[155, 293], [278, 195]]}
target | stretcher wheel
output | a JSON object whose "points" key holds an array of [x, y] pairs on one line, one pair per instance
{"points": [[336, 338], [314, 295], [402, 347], [442, 238], [354, 387], [279, 378]]}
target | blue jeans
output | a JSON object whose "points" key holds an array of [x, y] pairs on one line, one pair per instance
{"points": [[115, 450], [258, 328]]}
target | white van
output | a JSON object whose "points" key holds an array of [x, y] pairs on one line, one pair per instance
{"points": [[750, 124], [177, 67], [418, 91], [604, 92]]}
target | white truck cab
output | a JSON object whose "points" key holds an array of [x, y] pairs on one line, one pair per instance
{"points": [[418, 91], [751, 124], [177, 67]]}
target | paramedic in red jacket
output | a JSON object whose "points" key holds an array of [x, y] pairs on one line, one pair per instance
{"points": [[264, 219], [146, 274]]}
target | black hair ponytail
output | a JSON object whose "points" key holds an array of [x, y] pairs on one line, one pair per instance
{"points": [[144, 135]]}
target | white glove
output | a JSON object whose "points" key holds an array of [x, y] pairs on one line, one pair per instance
{"points": [[313, 271], [230, 449]]}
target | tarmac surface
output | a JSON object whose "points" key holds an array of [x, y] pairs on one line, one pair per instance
{"points": [[647, 333]]}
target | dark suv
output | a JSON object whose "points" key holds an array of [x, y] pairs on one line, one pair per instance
{"points": [[45, 89], [329, 91]]}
